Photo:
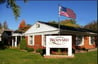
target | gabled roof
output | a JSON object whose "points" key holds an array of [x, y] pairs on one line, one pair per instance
{"points": [[63, 27]]}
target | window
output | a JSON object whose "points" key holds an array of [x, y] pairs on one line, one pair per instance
{"points": [[78, 40], [31, 40], [92, 40], [37, 25]]}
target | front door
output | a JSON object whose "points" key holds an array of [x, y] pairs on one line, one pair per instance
{"points": [[37, 41]]}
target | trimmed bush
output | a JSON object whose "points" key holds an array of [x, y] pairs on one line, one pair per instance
{"points": [[39, 50], [29, 49], [23, 44]]}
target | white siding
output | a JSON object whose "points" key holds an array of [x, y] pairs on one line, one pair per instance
{"points": [[42, 28]]}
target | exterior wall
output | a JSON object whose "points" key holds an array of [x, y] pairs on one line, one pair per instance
{"points": [[73, 41], [26, 37], [41, 28], [37, 42], [96, 41], [86, 43]]}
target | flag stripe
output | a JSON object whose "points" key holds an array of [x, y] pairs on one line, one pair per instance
{"points": [[67, 12]]}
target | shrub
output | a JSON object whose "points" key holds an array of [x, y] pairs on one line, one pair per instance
{"points": [[39, 50], [59, 51], [2, 45], [23, 44], [29, 49]]}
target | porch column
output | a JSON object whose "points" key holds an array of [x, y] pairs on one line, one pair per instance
{"points": [[70, 47], [47, 51], [20, 37], [70, 51], [12, 43], [43, 40], [15, 41], [33, 39]]}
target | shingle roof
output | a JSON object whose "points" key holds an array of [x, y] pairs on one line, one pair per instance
{"points": [[63, 27], [1, 30]]}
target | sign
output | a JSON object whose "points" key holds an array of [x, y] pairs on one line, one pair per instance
{"points": [[59, 42]]}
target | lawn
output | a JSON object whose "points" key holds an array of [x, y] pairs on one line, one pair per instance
{"points": [[15, 56]]}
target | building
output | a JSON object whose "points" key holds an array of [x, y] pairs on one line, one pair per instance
{"points": [[81, 38], [10, 38], [5, 37]]}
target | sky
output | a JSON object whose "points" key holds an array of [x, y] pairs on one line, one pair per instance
{"points": [[33, 11]]}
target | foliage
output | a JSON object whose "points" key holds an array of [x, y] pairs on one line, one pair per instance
{"points": [[39, 50], [0, 26], [92, 26], [29, 49], [53, 22], [23, 26], [59, 50], [4, 25], [12, 4], [69, 22], [23, 44], [2, 46]]}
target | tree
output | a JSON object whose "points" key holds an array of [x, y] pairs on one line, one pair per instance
{"points": [[53, 22], [92, 25], [5, 26], [23, 44], [22, 24], [12, 4], [70, 22], [0, 25]]}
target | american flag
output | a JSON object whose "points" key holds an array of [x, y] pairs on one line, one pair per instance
{"points": [[66, 12]]}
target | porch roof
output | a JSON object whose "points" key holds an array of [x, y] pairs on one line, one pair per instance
{"points": [[16, 34]]}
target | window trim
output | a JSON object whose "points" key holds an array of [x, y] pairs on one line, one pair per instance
{"points": [[90, 43], [82, 42], [44, 40], [30, 37]]}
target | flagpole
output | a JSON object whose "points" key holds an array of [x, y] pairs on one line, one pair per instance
{"points": [[59, 19]]}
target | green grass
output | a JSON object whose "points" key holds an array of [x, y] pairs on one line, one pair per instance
{"points": [[14, 56]]}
